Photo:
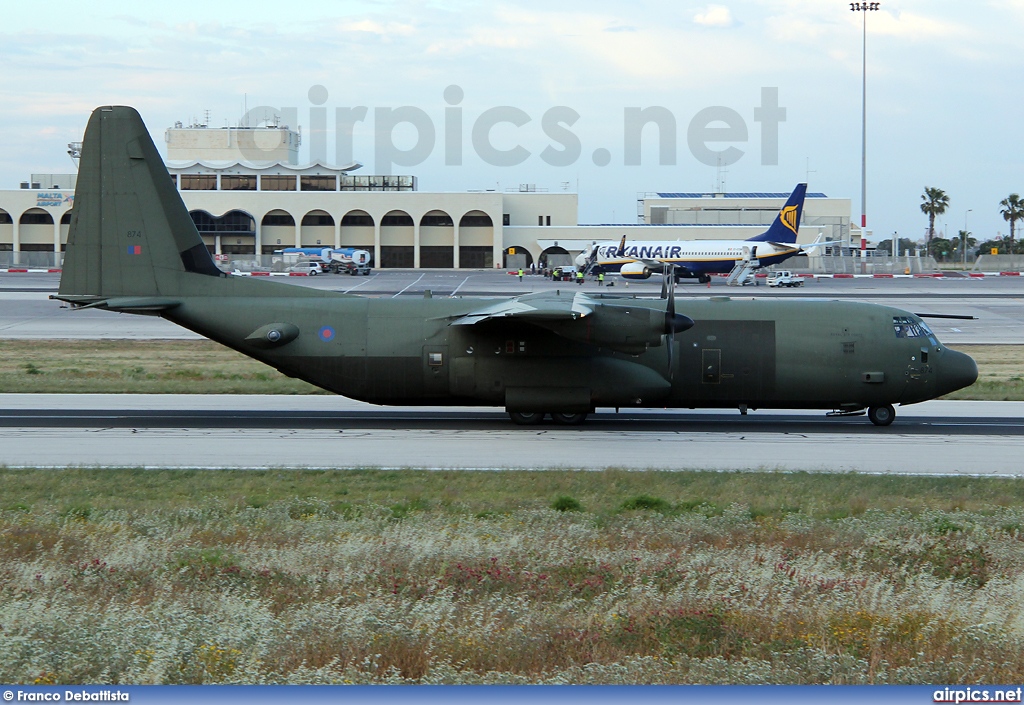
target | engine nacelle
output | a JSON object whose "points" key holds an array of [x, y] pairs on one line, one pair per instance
{"points": [[626, 328], [635, 270]]}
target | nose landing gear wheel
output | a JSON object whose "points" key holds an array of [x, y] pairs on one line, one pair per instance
{"points": [[882, 415], [526, 418], [568, 419]]}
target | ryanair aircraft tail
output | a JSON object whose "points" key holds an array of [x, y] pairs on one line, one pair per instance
{"points": [[130, 235], [787, 222]]}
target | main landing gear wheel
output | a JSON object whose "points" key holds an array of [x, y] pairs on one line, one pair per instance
{"points": [[526, 418], [568, 419], [882, 415]]}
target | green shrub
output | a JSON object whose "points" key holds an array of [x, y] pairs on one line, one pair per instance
{"points": [[565, 503], [646, 502]]}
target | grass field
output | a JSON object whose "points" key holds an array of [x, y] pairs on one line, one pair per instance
{"points": [[205, 367], [130, 576]]}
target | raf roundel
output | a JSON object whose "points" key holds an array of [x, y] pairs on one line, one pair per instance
{"points": [[326, 334]]}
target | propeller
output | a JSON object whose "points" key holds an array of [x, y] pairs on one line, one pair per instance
{"points": [[674, 322]]}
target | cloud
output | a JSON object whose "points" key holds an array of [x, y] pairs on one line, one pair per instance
{"points": [[715, 16], [382, 29]]}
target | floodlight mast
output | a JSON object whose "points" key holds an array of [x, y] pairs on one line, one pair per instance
{"points": [[864, 8]]}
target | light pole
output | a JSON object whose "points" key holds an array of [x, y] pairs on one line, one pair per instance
{"points": [[864, 8], [964, 236]]}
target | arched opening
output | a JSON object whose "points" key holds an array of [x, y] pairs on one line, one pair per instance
{"points": [[277, 230], [35, 231], [318, 219], [357, 230], [516, 257], [476, 241], [65, 228], [317, 229], [35, 216], [475, 219], [233, 233], [396, 240], [554, 257], [437, 240], [6, 233]]}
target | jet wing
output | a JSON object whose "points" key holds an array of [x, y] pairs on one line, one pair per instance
{"points": [[815, 244], [785, 246], [536, 308]]}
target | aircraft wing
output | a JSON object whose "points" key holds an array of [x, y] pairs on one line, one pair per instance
{"points": [[546, 307], [625, 325], [820, 244], [802, 248]]}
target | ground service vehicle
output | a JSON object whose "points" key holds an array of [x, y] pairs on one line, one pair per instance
{"points": [[784, 278], [133, 248]]}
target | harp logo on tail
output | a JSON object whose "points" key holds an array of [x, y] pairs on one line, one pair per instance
{"points": [[788, 217]]}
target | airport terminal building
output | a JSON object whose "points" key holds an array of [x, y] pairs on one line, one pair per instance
{"points": [[244, 208]]}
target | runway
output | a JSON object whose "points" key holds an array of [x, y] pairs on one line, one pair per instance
{"points": [[209, 431], [973, 438]]}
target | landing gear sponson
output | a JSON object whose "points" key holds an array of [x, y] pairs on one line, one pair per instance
{"points": [[532, 418], [880, 416]]}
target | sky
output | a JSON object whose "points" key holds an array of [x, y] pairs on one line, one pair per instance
{"points": [[548, 93]]}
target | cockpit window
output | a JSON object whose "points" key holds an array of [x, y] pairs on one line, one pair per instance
{"points": [[907, 327]]}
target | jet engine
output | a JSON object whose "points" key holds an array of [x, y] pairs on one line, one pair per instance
{"points": [[635, 270]]}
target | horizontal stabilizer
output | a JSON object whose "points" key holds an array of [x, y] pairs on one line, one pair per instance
{"points": [[124, 304]]}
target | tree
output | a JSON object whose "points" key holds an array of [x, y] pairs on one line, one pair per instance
{"points": [[1012, 210], [958, 244], [935, 203], [987, 246], [907, 246], [940, 248]]}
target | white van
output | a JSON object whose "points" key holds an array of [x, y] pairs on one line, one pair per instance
{"points": [[784, 278]]}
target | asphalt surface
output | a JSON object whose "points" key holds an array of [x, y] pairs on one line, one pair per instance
{"points": [[224, 431]]}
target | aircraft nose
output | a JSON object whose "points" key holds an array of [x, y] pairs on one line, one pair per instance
{"points": [[956, 371]]}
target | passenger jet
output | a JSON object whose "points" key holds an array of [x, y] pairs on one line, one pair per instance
{"points": [[701, 258]]}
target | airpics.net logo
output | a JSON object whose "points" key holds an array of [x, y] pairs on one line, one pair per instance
{"points": [[716, 136], [977, 695]]}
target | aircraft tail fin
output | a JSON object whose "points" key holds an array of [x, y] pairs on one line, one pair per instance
{"points": [[787, 223], [130, 234]]}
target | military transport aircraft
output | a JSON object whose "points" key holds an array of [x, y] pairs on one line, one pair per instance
{"points": [[133, 248], [701, 258]]}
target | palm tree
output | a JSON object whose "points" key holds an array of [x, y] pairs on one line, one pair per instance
{"points": [[1012, 210], [935, 203]]}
